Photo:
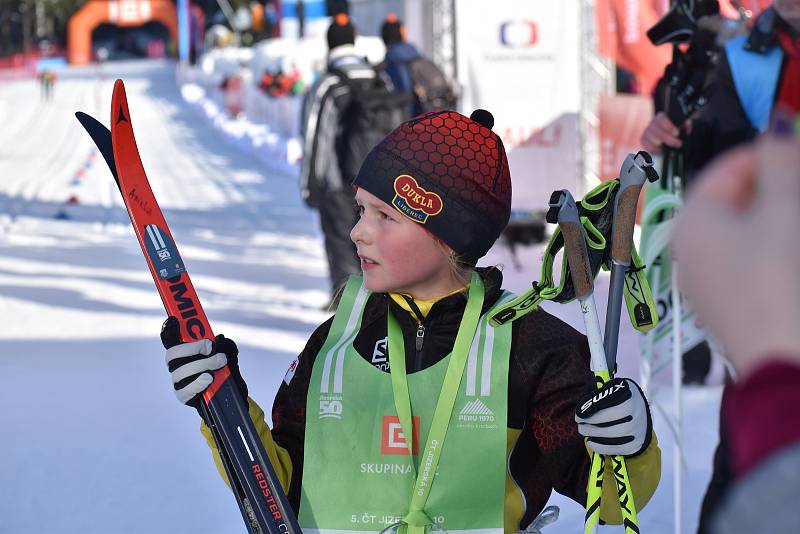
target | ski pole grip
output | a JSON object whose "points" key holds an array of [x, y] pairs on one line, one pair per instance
{"points": [[636, 170], [575, 249], [564, 210], [624, 219]]}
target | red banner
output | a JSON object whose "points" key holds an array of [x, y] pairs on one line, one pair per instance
{"points": [[623, 118], [622, 36]]}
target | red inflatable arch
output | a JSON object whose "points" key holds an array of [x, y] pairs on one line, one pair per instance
{"points": [[119, 13]]}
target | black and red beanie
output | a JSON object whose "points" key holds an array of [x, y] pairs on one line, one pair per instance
{"points": [[448, 173]]}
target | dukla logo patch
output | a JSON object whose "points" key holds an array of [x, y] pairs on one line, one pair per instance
{"points": [[413, 201]]}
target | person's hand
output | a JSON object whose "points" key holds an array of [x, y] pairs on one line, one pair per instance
{"points": [[736, 244], [192, 365], [660, 132], [615, 420]]}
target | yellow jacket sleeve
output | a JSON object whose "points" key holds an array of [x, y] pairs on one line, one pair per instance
{"points": [[278, 456], [644, 472]]}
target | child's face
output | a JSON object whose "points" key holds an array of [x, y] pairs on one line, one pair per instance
{"points": [[398, 255]]}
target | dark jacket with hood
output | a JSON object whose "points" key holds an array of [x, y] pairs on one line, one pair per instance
{"points": [[723, 123]]}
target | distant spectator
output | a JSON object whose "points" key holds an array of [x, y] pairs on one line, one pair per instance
{"points": [[232, 94], [297, 84], [325, 182], [266, 81], [411, 73], [346, 112]]}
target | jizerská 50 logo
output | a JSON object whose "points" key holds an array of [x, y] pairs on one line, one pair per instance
{"points": [[330, 407]]}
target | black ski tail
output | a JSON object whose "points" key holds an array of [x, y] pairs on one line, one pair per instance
{"points": [[102, 139]]}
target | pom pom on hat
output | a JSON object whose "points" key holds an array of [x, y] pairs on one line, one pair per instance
{"points": [[483, 117], [340, 32], [391, 31]]}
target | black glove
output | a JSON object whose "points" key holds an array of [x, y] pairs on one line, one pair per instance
{"points": [[615, 419], [192, 364]]}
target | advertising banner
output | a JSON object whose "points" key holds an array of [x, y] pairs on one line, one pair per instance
{"points": [[622, 37], [521, 62]]}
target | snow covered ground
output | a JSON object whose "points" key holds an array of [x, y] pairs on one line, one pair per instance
{"points": [[92, 439]]}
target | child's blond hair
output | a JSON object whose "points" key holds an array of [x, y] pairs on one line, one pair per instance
{"points": [[460, 270]]}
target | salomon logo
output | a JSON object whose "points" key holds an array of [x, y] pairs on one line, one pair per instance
{"points": [[122, 117], [379, 352], [379, 359], [518, 34]]}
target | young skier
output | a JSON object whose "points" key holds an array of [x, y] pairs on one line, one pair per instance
{"points": [[407, 407]]}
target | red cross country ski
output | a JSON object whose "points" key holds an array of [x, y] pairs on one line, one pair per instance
{"points": [[261, 500]]}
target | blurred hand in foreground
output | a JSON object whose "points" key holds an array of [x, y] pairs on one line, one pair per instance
{"points": [[737, 243]]}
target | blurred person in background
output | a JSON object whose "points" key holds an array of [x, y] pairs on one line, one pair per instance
{"points": [[427, 87], [739, 225], [754, 73], [339, 129], [47, 79]]}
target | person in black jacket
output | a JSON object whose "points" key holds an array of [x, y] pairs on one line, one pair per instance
{"points": [[399, 55], [754, 74], [324, 175], [412, 74]]}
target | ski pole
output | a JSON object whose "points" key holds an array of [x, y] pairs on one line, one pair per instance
{"points": [[677, 371], [564, 211], [636, 169]]}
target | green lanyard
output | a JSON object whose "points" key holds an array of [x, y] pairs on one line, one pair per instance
{"points": [[417, 519]]}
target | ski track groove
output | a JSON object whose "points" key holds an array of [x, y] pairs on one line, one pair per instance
{"points": [[65, 153]]}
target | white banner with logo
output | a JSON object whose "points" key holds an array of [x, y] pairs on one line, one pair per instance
{"points": [[521, 61], [129, 11]]}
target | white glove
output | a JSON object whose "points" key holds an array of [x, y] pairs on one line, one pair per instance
{"points": [[191, 366], [615, 419]]}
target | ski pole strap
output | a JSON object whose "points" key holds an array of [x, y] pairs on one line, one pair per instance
{"points": [[597, 217], [638, 298]]}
